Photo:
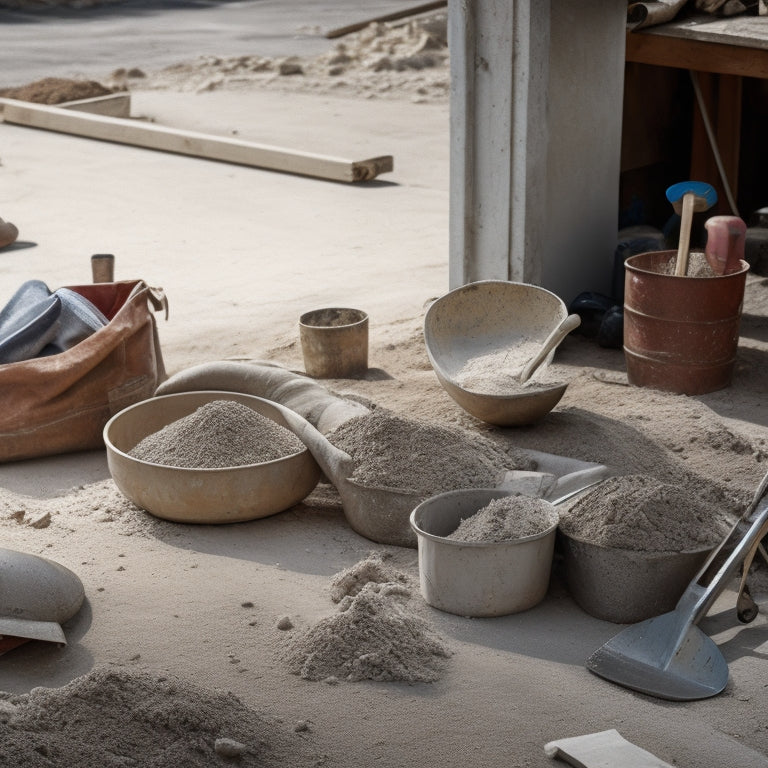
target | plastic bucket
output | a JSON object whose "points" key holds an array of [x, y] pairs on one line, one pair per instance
{"points": [[680, 333], [478, 578], [334, 342]]}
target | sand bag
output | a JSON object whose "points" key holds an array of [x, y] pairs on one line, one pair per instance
{"points": [[59, 403]]}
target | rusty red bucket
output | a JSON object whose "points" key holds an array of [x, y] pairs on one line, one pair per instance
{"points": [[681, 333]]}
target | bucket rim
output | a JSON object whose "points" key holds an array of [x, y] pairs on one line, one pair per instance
{"points": [[631, 265], [305, 317]]}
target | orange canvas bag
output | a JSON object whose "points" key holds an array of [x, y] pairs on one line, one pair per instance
{"points": [[60, 403]]}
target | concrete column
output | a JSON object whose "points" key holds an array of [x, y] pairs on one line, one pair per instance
{"points": [[536, 105]]}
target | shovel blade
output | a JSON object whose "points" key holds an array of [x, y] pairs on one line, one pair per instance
{"points": [[651, 658]]}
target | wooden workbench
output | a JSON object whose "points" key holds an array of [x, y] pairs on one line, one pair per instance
{"points": [[722, 51]]}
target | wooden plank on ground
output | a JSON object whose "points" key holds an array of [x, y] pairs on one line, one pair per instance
{"points": [[202, 145], [412, 11]]}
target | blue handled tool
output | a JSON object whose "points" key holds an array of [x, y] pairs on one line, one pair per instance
{"points": [[687, 198]]}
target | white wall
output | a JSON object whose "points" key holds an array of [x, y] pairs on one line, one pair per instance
{"points": [[536, 104]]}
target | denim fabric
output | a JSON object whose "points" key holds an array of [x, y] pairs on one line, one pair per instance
{"points": [[37, 323]]}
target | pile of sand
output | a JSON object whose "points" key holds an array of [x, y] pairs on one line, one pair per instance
{"points": [[375, 635], [407, 58], [393, 451], [498, 373], [641, 513], [114, 717], [56, 90], [222, 433], [373, 570], [506, 519], [77, 510]]}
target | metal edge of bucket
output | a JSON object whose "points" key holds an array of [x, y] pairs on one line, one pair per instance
{"points": [[687, 379]]}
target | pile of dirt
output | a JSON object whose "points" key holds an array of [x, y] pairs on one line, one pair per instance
{"points": [[222, 433], [373, 636], [118, 717], [392, 451], [640, 513], [57, 90], [506, 519], [372, 570]]}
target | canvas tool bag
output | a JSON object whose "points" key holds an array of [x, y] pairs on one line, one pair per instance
{"points": [[60, 403]]}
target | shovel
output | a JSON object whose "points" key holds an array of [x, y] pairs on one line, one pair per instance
{"points": [[668, 656], [687, 198]]}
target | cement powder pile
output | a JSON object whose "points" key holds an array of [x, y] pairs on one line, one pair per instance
{"points": [[372, 570], [114, 717], [392, 451], [506, 519], [222, 433], [640, 513], [375, 635], [498, 373], [698, 266]]}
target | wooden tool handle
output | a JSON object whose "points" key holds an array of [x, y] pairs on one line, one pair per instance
{"points": [[103, 268], [683, 246]]}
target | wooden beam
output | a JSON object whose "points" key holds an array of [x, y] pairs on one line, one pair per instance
{"points": [[151, 136], [413, 11], [700, 56]]}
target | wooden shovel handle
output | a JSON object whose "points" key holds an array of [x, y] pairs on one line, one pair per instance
{"points": [[684, 243]]}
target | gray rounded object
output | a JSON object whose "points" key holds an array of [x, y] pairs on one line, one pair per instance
{"points": [[36, 596]]}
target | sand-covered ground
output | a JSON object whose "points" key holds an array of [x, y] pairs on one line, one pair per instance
{"points": [[292, 640]]}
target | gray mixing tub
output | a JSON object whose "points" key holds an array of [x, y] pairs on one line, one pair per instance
{"points": [[478, 578]]}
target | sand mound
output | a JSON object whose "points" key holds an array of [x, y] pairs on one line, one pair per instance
{"points": [[392, 451], [373, 569], [640, 513], [56, 90], [375, 635], [401, 59], [506, 519], [222, 433], [112, 717]]}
